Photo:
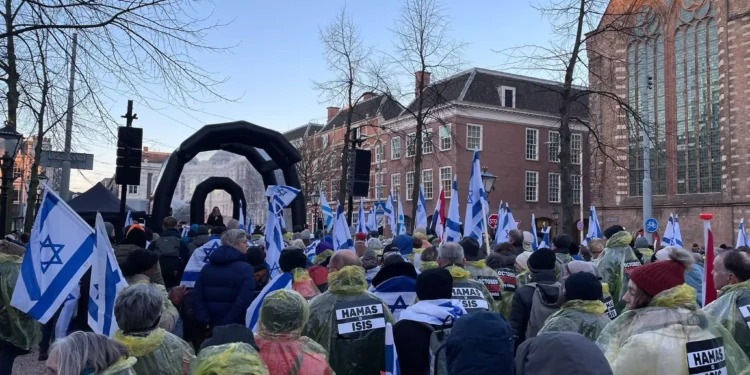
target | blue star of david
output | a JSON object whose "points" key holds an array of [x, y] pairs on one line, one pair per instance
{"points": [[275, 267], [399, 304], [56, 249], [470, 201], [210, 251], [96, 296]]}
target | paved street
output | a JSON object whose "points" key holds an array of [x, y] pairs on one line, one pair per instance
{"points": [[28, 365]]}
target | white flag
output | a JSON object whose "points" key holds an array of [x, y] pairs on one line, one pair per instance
{"points": [[342, 238], [421, 210], [274, 240], [595, 230], [361, 220], [327, 213], [199, 259], [453, 221], [281, 195], [106, 283], [401, 222], [390, 213], [741, 234], [475, 203]]}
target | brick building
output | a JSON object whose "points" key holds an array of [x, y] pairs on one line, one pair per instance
{"points": [[697, 114], [511, 119]]}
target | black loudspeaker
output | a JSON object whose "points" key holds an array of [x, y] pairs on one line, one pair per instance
{"points": [[129, 156], [358, 173]]}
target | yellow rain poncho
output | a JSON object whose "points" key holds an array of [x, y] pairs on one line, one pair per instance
{"points": [[615, 266], [733, 300], [283, 314], [320, 258], [229, 359], [349, 323], [424, 266], [122, 367], [585, 317], [159, 352], [672, 337], [303, 284], [462, 281], [487, 276], [16, 327]]}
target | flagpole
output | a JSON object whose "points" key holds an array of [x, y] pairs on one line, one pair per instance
{"points": [[709, 289], [484, 220]]}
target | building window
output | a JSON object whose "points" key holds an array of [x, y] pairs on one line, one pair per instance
{"points": [[446, 180], [17, 170], [575, 148], [132, 189], [554, 187], [508, 96], [554, 146], [532, 144], [324, 140], [445, 137], [427, 146], [355, 133], [473, 137], [379, 185], [16, 195], [395, 148], [576, 180], [378, 152], [409, 185], [323, 186], [427, 183], [411, 145], [532, 184], [396, 185]]}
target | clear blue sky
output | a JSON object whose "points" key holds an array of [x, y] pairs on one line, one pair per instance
{"points": [[278, 55]]}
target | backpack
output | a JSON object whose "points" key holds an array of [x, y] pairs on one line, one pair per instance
{"points": [[168, 249], [540, 309], [438, 338]]}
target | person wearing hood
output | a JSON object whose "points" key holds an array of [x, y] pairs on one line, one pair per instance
{"points": [[293, 261], [135, 238], [319, 270], [348, 321], [371, 265], [616, 264], [405, 245], [434, 311], [561, 353], [502, 261], [395, 284], [89, 353], [544, 290], [137, 311], [473, 295], [581, 308], [646, 250], [283, 349], [140, 268], [480, 344], [225, 286], [663, 326], [732, 277], [235, 358], [477, 267], [428, 259], [693, 276], [19, 332]]}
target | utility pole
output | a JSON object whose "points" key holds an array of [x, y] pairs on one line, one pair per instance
{"points": [[645, 131], [129, 117], [65, 181]]}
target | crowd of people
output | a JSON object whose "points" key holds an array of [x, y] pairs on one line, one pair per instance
{"points": [[615, 306]]}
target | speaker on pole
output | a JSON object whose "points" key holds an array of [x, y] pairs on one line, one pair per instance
{"points": [[358, 173]]}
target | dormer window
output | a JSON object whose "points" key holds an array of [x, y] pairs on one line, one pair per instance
{"points": [[507, 96]]}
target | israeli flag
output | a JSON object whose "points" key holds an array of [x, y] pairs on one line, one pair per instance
{"points": [[668, 238], [310, 250], [242, 216], [281, 195], [509, 222], [274, 241], [70, 307], [282, 281], [741, 234], [534, 244], [595, 230], [372, 220], [185, 230], [500, 235], [361, 221], [58, 254], [106, 283], [390, 213], [677, 234], [250, 227], [199, 259], [453, 221], [401, 225], [327, 213], [128, 221], [421, 210], [391, 356], [545, 237], [398, 293], [475, 203], [342, 238]]}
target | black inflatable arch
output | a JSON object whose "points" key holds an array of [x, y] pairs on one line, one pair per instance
{"points": [[267, 150], [198, 201]]}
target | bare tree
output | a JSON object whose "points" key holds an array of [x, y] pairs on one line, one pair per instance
{"points": [[316, 166]]}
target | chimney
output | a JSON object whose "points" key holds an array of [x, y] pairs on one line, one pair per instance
{"points": [[423, 77], [332, 112], [368, 96], [145, 149]]}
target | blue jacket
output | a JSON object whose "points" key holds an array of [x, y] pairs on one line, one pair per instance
{"points": [[694, 278], [224, 289], [480, 344]]}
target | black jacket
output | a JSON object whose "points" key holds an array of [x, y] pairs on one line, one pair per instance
{"points": [[480, 344], [521, 306], [412, 341], [519, 248], [170, 279], [215, 221]]}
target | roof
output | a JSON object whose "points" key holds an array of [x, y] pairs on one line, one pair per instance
{"points": [[154, 156], [98, 198], [378, 105], [302, 131]]}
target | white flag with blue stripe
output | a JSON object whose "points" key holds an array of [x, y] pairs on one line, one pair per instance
{"points": [[390, 213], [668, 238], [401, 222], [106, 283], [475, 203], [545, 237], [421, 221], [250, 226], [453, 221], [58, 253], [281, 195], [595, 230], [509, 222], [242, 216], [274, 241], [342, 238], [391, 356], [361, 220], [500, 235], [310, 249], [534, 243], [128, 220], [199, 259], [327, 212], [741, 234], [677, 233], [372, 220], [398, 293], [282, 281]]}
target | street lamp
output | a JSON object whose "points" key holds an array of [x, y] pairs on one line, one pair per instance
{"points": [[488, 180], [555, 217], [41, 177], [315, 196], [10, 139]]}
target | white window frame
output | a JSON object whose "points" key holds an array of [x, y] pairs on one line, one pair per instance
{"points": [[427, 142], [447, 188], [481, 136], [554, 197], [334, 191], [409, 190], [428, 194], [577, 186], [132, 189], [379, 191], [527, 186], [413, 137], [536, 144], [553, 153], [502, 96], [397, 191], [378, 152], [324, 140], [449, 138], [576, 154], [356, 134], [397, 148]]}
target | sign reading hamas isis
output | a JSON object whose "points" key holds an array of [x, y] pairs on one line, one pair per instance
{"points": [[611, 311], [471, 297], [359, 316], [744, 305], [706, 357]]}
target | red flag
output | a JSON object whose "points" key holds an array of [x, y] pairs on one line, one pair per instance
{"points": [[709, 290]]}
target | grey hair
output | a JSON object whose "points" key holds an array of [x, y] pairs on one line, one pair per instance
{"points": [[515, 237], [80, 351], [374, 244], [138, 308], [233, 224], [298, 243], [233, 237], [451, 252]]}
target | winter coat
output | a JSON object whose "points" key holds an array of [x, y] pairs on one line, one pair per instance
{"points": [[236, 358], [487, 276], [561, 353], [122, 367], [480, 344], [522, 301], [615, 265], [122, 252], [360, 349], [646, 254], [161, 247], [462, 276], [694, 278], [197, 242], [16, 327], [519, 248], [503, 265], [726, 309], [658, 338], [157, 352], [224, 288], [585, 317], [215, 221]]}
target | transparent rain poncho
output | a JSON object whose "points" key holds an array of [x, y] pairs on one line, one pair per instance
{"points": [[459, 274], [121, 367], [283, 314], [673, 337], [320, 258], [615, 265], [303, 284], [733, 300], [585, 317], [229, 359], [349, 323], [16, 327], [158, 352]]}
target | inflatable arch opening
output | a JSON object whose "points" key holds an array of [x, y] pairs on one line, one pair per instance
{"points": [[198, 200]]}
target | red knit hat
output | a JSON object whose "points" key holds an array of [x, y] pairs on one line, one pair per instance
{"points": [[359, 236], [654, 278]]}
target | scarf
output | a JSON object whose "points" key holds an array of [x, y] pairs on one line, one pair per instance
{"points": [[433, 312]]}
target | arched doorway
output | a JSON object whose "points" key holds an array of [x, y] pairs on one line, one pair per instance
{"points": [[198, 201]]}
